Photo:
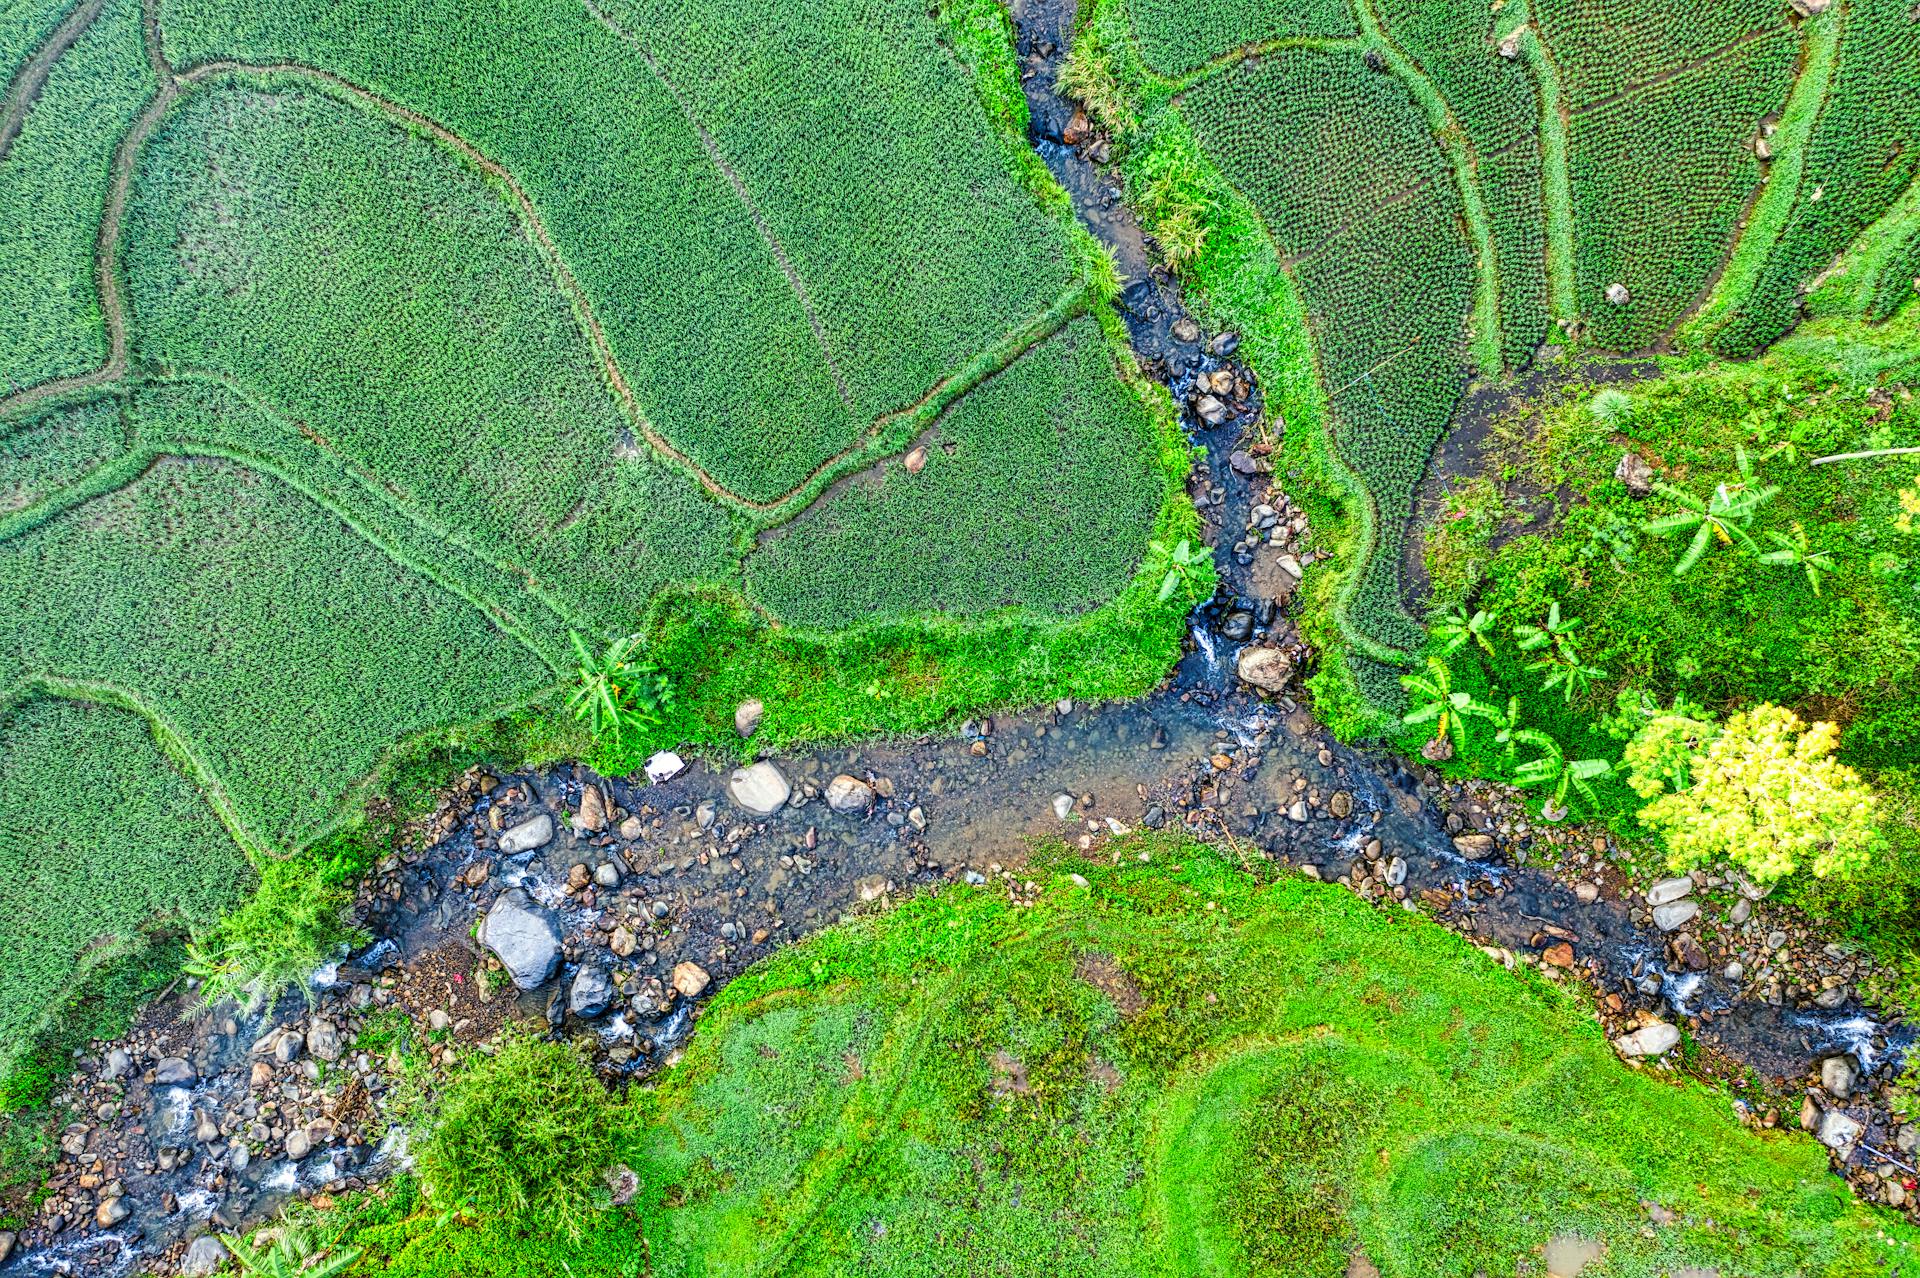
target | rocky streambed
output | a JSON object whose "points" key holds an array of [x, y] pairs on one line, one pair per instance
{"points": [[612, 908]]}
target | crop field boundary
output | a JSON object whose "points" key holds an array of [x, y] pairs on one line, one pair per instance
{"points": [[1556, 182], [873, 443], [1454, 144], [25, 88], [1768, 219], [727, 171], [171, 741]]}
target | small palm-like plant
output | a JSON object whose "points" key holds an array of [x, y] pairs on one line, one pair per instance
{"points": [[1722, 517], [1553, 768], [1555, 632], [1185, 562], [1797, 552], [1506, 723], [292, 1254], [618, 689], [1455, 629], [1437, 703]]}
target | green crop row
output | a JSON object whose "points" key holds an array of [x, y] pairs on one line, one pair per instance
{"points": [[777, 249], [284, 652], [1864, 151], [1177, 36], [24, 26], [1512, 183], [1660, 179], [1899, 279], [1046, 513], [365, 286], [40, 456], [104, 838], [53, 185], [1603, 51]]}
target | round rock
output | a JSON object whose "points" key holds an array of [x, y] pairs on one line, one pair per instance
{"points": [[849, 794], [761, 789], [522, 936]]}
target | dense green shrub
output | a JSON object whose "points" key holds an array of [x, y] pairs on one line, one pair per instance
{"points": [[524, 1136]]}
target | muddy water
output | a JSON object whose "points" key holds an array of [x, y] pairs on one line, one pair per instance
{"points": [[698, 880]]}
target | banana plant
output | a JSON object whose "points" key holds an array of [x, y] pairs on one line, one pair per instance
{"points": [[1557, 632], [1797, 552], [618, 689], [1184, 564], [292, 1253], [1505, 723], [1439, 704], [1455, 629], [1553, 768], [1722, 517]]}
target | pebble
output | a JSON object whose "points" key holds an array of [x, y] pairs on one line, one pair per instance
{"points": [[527, 836], [746, 718]]}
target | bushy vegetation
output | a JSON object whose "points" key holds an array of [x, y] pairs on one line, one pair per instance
{"points": [[1748, 578], [1168, 1069]]}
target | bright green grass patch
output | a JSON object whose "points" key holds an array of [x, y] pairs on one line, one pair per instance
{"points": [[103, 840], [1047, 513], [369, 288], [1660, 178], [765, 307], [1178, 37], [1174, 1070], [53, 185], [283, 653]]}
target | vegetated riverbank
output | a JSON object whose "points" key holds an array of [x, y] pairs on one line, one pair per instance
{"points": [[654, 895]]}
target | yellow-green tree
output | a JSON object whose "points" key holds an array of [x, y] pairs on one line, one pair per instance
{"points": [[1766, 794]]}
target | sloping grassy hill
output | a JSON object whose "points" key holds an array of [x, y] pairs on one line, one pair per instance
{"points": [[1171, 1070]]}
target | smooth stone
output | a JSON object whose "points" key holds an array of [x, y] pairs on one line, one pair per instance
{"points": [[1837, 1075], [747, 716], [591, 992], [849, 794], [323, 1041], [1669, 890], [204, 1257], [1674, 913], [174, 1071], [522, 936], [1268, 669], [665, 766], [761, 789], [1839, 1131], [527, 836], [690, 980], [1651, 1039]]}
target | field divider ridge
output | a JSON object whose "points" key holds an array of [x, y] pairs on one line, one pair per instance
{"points": [[1458, 150]]}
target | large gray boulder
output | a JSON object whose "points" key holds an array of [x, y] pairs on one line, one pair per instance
{"points": [[522, 936], [761, 789], [591, 992], [205, 1255], [527, 836]]}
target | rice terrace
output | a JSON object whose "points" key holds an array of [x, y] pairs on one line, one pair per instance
{"points": [[976, 637]]}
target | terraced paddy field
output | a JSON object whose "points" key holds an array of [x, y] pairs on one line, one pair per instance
{"points": [[421, 423], [1447, 193], [356, 358]]}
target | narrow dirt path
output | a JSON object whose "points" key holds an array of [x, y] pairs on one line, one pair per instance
{"points": [[727, 171], [32, 76]]}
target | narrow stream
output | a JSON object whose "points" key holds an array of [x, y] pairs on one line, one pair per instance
{"points": [[642, 877]]}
